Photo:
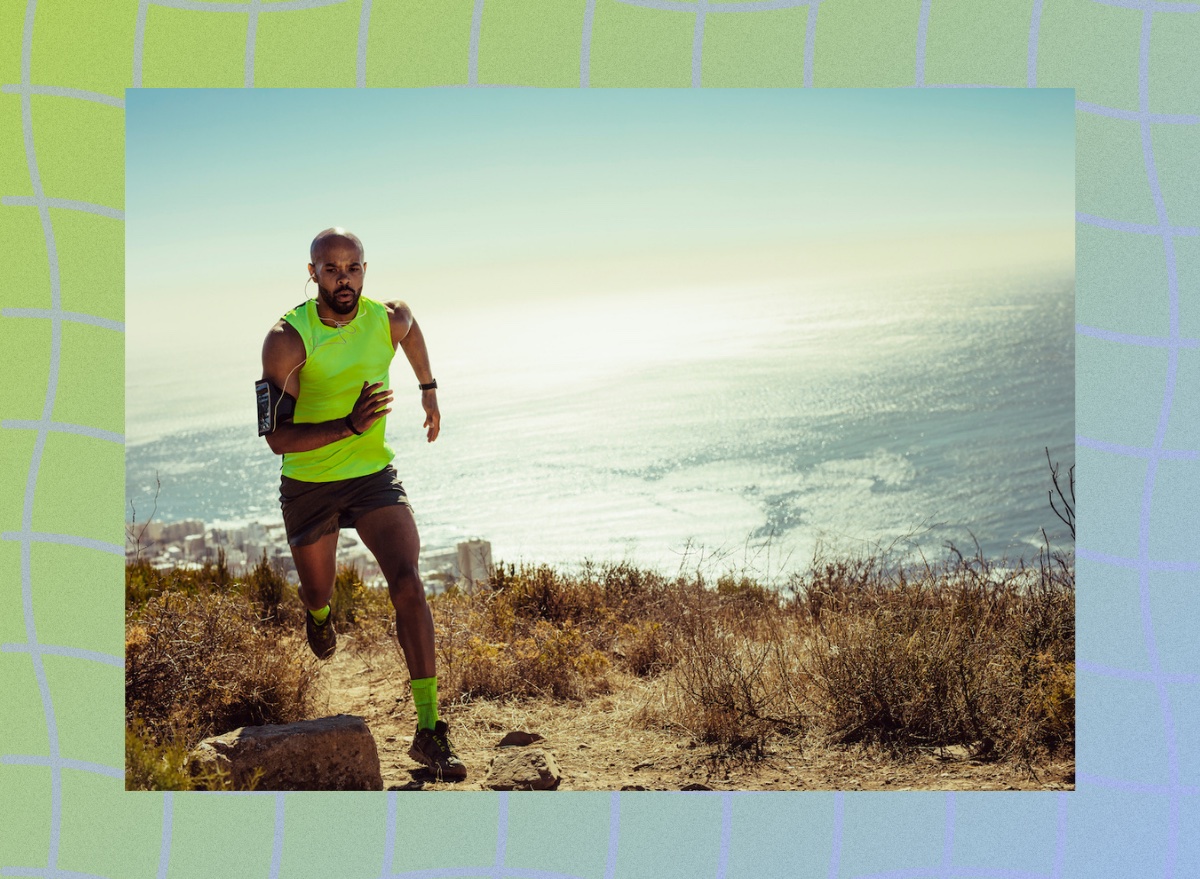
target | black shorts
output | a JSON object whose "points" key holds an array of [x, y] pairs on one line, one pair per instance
{"points": [[313, 509]]}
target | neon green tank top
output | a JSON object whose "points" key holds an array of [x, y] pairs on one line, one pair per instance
{"points": [[338, 361]]}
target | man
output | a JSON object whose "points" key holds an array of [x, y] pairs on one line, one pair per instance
{"points": [[323, 405]]}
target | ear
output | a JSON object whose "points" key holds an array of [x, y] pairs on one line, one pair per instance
{"points": [[312, 272]]}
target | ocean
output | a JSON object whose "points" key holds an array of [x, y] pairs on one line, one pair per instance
{"points": [[738, 429]]}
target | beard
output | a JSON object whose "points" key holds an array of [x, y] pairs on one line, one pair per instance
{"points": [[329, 297]]}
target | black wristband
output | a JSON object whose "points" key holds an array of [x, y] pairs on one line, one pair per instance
{"points": [[350, 424], [432, 386]]}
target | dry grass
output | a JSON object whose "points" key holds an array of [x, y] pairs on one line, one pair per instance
{"points": [[202, 657], [197, 665], [533, 633], [853, 650], [967, 652]]}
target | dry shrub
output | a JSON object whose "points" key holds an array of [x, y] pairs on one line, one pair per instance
{"points": [[968, 653], [488, 651], [630, 594], [367, 610], [266, 588], [535, 631], [1044, 661], [643, 649], [905, 672], [867, 649], [143, 581], [151, 765], [538, 631], [542, 593], [736, 679], [199, 665]]}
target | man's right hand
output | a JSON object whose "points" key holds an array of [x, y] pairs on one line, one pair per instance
{"points": [[372, 404]]}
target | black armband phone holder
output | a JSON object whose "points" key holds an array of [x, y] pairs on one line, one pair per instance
{"points": [[275, 406]]}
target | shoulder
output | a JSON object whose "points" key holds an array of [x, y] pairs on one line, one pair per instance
{"points": [[398, 310], [283, 340], [399, 318]]}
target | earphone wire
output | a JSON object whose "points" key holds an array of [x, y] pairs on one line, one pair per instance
{"points": [[350, 328]]}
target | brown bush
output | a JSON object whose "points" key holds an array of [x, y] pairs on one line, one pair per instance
{"points": [[865, 650], [643, 648], [966, 652], [969, 653], [199, 665], [497, 644], [736, 678], [266, 588], [143, 580], [367, 610]]}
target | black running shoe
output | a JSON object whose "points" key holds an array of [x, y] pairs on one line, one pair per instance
{"points": [[432, 748], [321, 636]]}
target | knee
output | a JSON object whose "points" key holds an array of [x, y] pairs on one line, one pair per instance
{"points": [[315, 596], [406, 588]]}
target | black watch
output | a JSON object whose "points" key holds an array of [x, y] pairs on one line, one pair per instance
{"points": [[429, 387]]}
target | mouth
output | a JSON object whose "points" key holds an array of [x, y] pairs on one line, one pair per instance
{"points": [[343, 301]]}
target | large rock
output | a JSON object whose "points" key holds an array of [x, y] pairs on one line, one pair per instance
{"points": [[523, 769], [331, 753]]}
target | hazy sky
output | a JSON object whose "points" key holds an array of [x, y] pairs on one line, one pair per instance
{"points": [[479, 197]]}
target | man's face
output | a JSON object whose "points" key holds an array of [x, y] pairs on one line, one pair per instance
{"points": [[339, 269]]}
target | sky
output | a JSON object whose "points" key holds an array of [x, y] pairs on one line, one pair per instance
{"points": [[487, 199]]}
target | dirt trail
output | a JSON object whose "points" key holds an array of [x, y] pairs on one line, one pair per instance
{"points": [[603, 743]]}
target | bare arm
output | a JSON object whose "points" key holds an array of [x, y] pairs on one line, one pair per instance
{"points": [[407, 335], [283, 355]]}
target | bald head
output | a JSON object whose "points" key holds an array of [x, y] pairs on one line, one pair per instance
{"points": [[334, 235], [339, 269]]}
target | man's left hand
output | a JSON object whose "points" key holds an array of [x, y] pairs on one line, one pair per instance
{"points": [[433, 418]]}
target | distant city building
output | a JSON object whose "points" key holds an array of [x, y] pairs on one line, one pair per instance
{"points": [[194, 545], [177, 531], [475, 561], [188, 544], [145, 533]]}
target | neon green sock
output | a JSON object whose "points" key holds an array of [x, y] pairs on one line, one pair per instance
{"points": [[320, 615], [425, 696]]}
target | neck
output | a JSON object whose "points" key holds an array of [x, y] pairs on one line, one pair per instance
{"points": [[331, 318]]}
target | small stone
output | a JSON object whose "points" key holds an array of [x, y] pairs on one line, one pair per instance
{"points": [[519, 738], [523, 769]]}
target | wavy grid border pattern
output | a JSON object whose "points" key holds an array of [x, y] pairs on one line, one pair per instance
{"points": [[1149, 806]]}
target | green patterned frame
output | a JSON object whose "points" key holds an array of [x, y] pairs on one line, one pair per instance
{"points": [[65, 65]]}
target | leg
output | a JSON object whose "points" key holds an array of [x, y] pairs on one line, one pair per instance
{"points": [[316, 566], [390, 533]]}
